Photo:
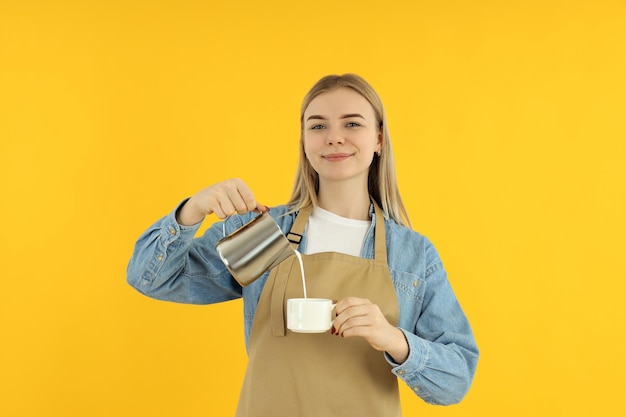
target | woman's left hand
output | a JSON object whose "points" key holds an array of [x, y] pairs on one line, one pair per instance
{"points": [[362, 318]]}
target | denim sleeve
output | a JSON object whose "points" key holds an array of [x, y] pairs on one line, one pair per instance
{"points": [[442, 351], [169, 264]]}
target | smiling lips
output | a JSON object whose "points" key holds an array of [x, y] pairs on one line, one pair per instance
{"points": [[336, 157]]}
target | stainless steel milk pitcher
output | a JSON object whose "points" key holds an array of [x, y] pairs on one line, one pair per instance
{"points": [[254, 248]]}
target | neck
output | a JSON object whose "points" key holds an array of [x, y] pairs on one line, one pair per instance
{"points": [[344, 199]]}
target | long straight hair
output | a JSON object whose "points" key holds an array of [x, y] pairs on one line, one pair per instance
{"points": [[382, 184]]}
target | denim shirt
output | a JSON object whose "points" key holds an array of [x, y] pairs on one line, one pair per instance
{"points": [[168, 263]]}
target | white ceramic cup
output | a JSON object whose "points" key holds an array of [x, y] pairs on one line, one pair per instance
{"points": [[309, 315]]}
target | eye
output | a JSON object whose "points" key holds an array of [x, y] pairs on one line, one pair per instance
{"points": [[353, 124], [316, 127]]}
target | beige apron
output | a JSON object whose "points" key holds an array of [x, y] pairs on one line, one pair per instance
{"points": [[314, 375]]}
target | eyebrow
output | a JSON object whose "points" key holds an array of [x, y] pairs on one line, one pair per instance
{"points": [[345, 116]]}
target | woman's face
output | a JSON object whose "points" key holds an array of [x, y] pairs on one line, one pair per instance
{"points": [[341, 135]]}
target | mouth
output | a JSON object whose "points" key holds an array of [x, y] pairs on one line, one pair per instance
{"points": [[336, 157]]}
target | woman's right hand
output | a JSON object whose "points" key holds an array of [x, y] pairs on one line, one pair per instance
{"points": [[224, 199]]}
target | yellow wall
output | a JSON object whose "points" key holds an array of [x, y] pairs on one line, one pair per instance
{"points": [[509, 126]]}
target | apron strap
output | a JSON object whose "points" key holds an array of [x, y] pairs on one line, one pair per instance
{"points": [[297, 229], [380, 243], [280, 277]]}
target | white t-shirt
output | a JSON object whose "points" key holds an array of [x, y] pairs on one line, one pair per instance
{"points": [[328, 232]]}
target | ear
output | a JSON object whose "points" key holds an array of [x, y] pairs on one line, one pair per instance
{"points": [[379, 142]]}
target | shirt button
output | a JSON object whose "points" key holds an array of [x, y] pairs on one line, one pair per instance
{"points": [[160, 257], [415, 389], [172, 231], [415, 283], [401, 372]]}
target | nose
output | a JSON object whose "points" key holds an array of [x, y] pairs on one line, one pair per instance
{"points": [[334, 136]]}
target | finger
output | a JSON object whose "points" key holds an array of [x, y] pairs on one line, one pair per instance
{"points": [[223, 211], [221, 204], [350, 302], [347, 316], [355, 326], [213, 203], [248, 202], [232, 202], [239, 195], [260, 208]]}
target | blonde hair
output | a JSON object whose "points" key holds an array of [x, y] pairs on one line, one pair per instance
{"points": [[382, 184]]}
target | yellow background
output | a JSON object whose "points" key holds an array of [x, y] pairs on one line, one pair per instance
{"points": [[508, 122]]}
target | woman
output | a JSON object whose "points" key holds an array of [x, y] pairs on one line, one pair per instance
{"points": [[396, 315]]}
